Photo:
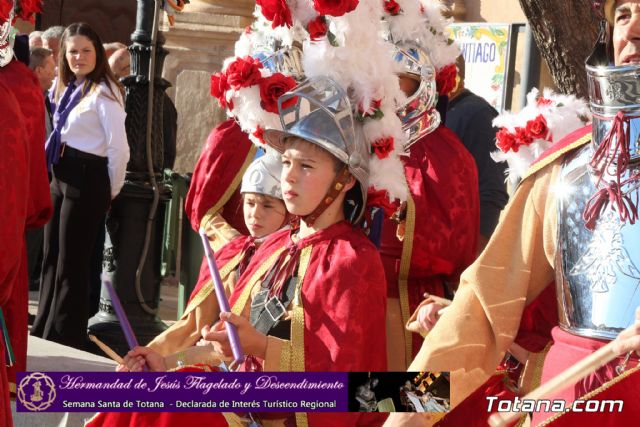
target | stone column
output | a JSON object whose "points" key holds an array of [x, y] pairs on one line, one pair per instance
{"points": [[204, 35]]}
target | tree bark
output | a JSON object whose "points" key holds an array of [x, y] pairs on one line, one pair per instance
{"points": [[565, 32]]}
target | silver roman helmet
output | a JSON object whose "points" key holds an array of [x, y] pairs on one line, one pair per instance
{"points": [[263, 176], [322, 115], [418, 114]]}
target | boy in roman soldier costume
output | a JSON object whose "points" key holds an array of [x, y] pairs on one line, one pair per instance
{"points": [[24, 86], [433, 237], [264, 213], [312, 298], [573, 218]]}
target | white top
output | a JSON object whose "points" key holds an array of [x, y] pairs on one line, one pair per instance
{"points": [[96, 126]]}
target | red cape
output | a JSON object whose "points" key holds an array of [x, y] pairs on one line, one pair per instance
{"points": [[343, 297], [13, 169], [215, 184], [442, 224], [26, 88]]}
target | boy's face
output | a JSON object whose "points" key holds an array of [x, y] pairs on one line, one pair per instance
{"points": [[263, 214], [307, 173]]}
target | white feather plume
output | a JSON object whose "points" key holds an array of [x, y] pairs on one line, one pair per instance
{"points": [[563, 114]]}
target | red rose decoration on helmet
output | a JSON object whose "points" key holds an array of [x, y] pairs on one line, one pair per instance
{"points": [[27, 9], [446, 79], [392, 7], [277, 12], [219, 88], [523, 137], [318, 28], [243, 72], [505, 141], [334, 7], [383, 147], [272, 88], [538, 128]]}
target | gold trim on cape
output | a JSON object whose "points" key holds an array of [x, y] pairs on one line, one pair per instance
{"points": [[403, 276], [554, 156], [207, 289], [238, 307], [230, 189], [296, 355]]}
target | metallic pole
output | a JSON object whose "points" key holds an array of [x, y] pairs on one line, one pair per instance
{"points": [[132, 252]]}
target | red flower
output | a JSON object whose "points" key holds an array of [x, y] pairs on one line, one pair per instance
{"points": [[505, 141], [219, 88], [380, 199], [392, 7], [28, 8], [383, 147], [277, 12], [259, 134], [446, 79], [540, 102], [538, 128], [523, 137], [334, 7], [318, 28], [243, 72], [272, 88]]}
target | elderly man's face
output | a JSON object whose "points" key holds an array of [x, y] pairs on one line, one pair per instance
{"points": [[54, 46], [626, 32], [120, 63]]}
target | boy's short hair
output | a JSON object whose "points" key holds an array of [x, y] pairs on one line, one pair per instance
{"points": [[292, 141], [353, 197]]}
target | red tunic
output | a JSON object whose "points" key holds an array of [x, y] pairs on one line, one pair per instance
{"points": [[25, 87], [343, 302], [216, 179], [441, 227], [13, 185]]}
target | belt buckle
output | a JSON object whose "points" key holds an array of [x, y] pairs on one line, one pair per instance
{"points": [[62, 147]]}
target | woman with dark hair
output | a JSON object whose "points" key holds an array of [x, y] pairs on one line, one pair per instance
{"points": [[87, 153]]}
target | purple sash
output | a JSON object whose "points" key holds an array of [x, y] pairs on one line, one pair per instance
{"points": [[71, 97]]}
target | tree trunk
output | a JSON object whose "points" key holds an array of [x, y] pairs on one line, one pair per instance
{"points": [[565, 32]]}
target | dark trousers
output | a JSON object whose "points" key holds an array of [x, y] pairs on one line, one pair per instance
{"points": [[34, 239], [81, 195]]}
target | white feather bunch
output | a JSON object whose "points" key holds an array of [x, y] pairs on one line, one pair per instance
{"points": [[563, 114], [302, 11]]}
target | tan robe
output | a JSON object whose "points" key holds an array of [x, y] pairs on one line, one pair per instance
{"points": [[518, 263]]}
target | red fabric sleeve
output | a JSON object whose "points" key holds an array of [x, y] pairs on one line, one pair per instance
{"points": [[218, 174]]}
